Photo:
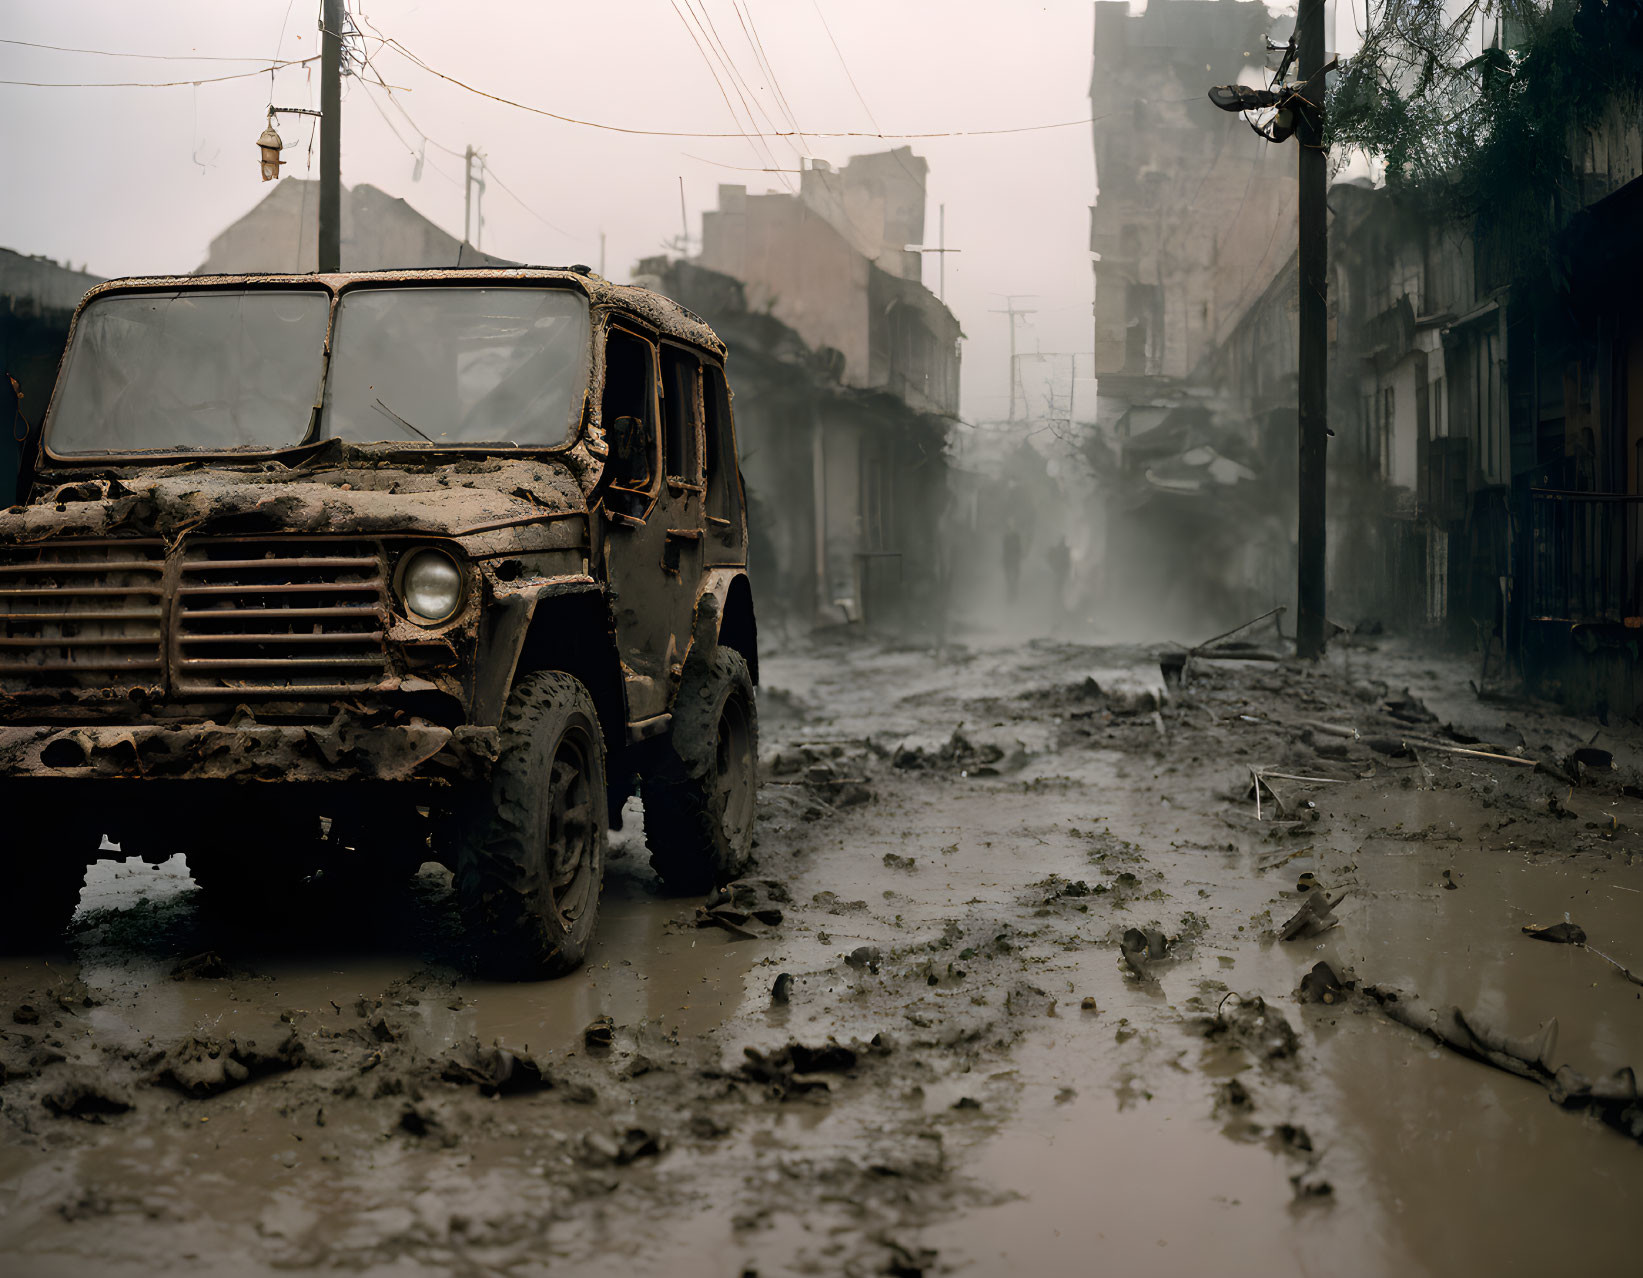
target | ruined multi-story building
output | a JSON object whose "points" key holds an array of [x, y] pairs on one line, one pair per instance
{"points": [[1194, 215], [856, 380], [837, 261], [1194, 212]]}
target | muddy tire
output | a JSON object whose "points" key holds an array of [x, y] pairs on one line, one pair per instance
{"points": [[530, 868], [700, 793], [44, 885]]}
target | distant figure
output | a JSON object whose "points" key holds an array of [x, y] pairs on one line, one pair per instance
{"points": [[1059, 560], [1012, 562]]}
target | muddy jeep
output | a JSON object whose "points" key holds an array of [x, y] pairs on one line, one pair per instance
{"points": [[318, 578]]}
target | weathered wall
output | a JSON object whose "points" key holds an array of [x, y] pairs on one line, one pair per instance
{"points": [[379, 232], [1194, 212], [832, 262], [797, 266]]}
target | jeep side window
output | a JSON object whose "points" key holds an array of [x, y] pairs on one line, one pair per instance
{"points": [[724, 494], [680, 414], [628, 412]]}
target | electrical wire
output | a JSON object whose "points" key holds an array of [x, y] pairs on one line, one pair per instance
{"points": [[736, 74], [815, 4], [150, 57], [751, 30], [439, 146], [157, 84], [757, 143], [401, 49]]}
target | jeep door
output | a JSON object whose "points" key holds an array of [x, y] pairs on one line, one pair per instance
{"points": [[653, 511]]}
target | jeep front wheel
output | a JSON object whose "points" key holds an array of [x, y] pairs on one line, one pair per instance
{"points": [[530, 868], [700, 794]]}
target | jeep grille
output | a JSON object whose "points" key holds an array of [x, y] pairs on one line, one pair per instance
{"points": [[279, 614], [86, 613], [268, 615]]}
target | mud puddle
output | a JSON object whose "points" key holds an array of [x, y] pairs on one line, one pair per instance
{"points": [[965, 841]]}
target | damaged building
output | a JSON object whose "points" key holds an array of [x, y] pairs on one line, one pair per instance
{"points": [[380, 232], [1486, 396], [847, 375], [1193, 214]]}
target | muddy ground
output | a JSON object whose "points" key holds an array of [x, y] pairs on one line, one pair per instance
{"points": [[945, 1056]]}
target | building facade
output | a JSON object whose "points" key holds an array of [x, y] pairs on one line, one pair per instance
{"points": [[833, 261]]}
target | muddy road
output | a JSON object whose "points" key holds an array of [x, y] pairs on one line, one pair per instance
{"points": [[1005, 994]]}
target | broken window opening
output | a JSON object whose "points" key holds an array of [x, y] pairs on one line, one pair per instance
{"points": [[628, 414], [681, 416]]}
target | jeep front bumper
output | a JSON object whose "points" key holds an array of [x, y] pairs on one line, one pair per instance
{"points": [[342, 750]]}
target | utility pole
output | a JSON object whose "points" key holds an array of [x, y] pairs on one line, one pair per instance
{"points": [[1314, 340], [330, 138], [473, 196], [941, 250], [1299, 113], [1013, 311]]}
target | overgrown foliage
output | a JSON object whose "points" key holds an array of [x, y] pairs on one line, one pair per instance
{"points": [[1488, 138]]}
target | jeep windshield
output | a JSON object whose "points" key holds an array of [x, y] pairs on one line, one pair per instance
{"points": [[218, 370]]}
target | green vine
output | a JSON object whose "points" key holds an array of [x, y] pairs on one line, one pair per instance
{"points": [[1487, 140]]}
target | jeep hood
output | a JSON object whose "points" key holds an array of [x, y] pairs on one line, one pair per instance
{"points": [[359, 494]]}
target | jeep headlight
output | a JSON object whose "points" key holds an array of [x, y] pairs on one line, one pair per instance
{"points": [[430, 587]]}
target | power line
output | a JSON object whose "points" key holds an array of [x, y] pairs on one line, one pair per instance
{"points": [[157, 84], [150, 57], [753, 139], [686, 133], [428, 141], [751, 30], [736, 75], [840, 52]]}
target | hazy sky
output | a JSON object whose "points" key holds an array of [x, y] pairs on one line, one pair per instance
{"points": [[138, 180]]}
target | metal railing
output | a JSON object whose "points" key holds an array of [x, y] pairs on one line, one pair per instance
{"points": [[1583, 555]]}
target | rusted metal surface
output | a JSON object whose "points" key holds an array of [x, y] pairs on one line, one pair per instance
{"points": [[349, 747]]}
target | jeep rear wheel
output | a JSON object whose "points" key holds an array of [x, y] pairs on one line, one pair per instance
{"points": [[701, 792], [530, 869]]}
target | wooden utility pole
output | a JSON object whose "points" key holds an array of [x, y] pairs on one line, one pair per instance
{"points": [[330, 138], [1013, 311], [1299, 113], [1314, 340], [941, 250]]}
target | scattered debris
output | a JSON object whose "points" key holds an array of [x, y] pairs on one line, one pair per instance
{"points": [[1249, 1023], [206, 1066], [740, 907], [493, 1069], [866, 956], [790, 1070], [1564, 933], [1141, 947], [1317, 914], [1322, 985]]}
